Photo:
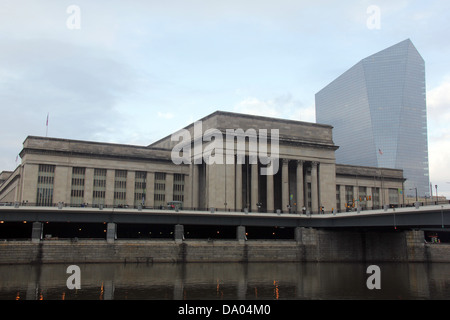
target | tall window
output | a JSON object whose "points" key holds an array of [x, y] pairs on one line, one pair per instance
{"points": [[376, 197], [46, 178], [338, 197], [349, 195], [77, 191], [140, 186], [363, 196], [178, 187], [120, 188], [160, 189], [99, 188]]}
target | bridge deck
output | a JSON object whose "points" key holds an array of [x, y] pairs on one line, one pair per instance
{"points": [[426, 216]]}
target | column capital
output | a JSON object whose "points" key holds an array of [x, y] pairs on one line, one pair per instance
{"points": [[285, 161], [315, 163], [300, 162]]}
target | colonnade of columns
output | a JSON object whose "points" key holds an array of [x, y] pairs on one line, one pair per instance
{"points": [[300, 199], [247, 193]]}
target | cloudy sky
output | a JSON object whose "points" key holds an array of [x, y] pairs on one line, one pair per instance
{"points": [[135, 71]]}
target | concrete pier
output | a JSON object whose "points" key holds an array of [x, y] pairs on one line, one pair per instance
{"points": [[179, 233], [37, 232], [240, 234], [111, 232]]}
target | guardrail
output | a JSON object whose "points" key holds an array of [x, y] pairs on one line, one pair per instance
{"points": [[61, 205]]}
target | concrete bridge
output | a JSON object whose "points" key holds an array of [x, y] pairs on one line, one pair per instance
{"points": [[421, 217], [435, 217]]}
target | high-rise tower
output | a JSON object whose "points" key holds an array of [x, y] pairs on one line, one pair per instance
{"points": [[378, 111]]}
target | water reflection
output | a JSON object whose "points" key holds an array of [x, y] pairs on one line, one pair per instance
{"points": [[225, 281]]}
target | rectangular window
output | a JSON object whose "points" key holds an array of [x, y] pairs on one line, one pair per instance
{"points": [[349, 196], [46, 178], [178, 187], [120, 188], [77, 191], [338, 197], [99, 187], [363, 197], [140, 186], [376, 197], [160, 189]]}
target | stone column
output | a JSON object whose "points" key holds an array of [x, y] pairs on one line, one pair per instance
{"points": [[109, 189], [131, 181], [285, 186], [342, 198], [270, 194], [314, 189], [300, 190], [238, 188], [208, 183], [169, 187], [195, 183], [150, 190], [254, 188], [88, 186]]}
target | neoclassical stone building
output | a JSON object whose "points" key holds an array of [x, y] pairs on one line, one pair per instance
{"points": [[306, 176]]}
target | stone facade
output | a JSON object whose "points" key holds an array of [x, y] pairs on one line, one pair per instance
{"points": [[82, 173]]}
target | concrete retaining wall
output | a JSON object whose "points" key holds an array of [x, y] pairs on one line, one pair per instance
{"points": [[310, 245]]}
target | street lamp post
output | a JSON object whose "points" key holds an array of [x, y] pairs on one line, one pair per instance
{"points": [[437, 198]]}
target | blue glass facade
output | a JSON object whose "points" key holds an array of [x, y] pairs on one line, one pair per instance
{"points": [[378, 111]]}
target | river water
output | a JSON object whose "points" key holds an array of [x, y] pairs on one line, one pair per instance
{"points": [[227, 281]]}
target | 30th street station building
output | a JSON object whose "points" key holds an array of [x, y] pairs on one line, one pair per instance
{"points": [[82, 173]]}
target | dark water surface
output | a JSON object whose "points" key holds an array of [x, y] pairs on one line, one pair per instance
{"points": [[252, 281]]}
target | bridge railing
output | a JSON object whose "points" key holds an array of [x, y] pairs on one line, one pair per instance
{"points": [[61, 205]]}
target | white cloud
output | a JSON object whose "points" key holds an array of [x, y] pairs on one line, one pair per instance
{"points": [[438, 103], [439, 155], [258, 107], [307, 114], [165, 115], [282, 106]]}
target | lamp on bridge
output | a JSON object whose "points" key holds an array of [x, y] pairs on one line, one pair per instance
{"points": [[437, 199]]}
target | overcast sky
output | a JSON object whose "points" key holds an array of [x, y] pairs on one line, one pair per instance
{"points": [[135, 71]]}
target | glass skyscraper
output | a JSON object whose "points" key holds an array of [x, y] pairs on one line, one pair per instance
{"points": [[378, 111]]}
